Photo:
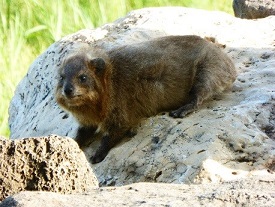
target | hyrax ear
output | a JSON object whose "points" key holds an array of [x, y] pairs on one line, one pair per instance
{"points": [[99, 65]]}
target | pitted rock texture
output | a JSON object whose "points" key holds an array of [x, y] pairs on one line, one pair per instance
{"points": [[252, 192], [50, 163], [230, 137], [253, 9]]}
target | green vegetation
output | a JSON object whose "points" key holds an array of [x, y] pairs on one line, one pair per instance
{"points": [[27, 28]]}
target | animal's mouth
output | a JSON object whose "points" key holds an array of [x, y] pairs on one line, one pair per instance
{"points": [[74, 100], [71, 96]]}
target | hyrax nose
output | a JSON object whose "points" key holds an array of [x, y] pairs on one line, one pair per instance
{"points": [[68, 90]]}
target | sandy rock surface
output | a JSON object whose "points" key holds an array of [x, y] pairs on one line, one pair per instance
{"points": [[230, 137], [50, 163], [253, 192]]}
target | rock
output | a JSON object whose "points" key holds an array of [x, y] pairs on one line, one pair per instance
{"points": [[43, 164], [253, 192], [253, 9], [229, 138]]}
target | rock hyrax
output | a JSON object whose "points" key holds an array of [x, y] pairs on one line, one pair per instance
{"points": [[110, 92]]}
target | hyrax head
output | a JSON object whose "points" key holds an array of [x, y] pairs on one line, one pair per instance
{"points": [[79, 81]]}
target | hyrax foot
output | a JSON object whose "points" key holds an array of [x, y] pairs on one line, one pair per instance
{"points": [[102, 150], [176, 114], [131, 133], [98, 156], [182, 111]]}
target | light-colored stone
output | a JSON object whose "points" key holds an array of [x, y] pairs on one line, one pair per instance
{"points": [[253, 9], [50, 163], [253, 192], [231, 137]]}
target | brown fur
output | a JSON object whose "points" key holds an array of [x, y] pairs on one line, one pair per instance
{"points": [[213, 40], [124, 85]]}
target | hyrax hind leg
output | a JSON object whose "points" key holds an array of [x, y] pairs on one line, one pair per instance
{"points": [[200, 91]]}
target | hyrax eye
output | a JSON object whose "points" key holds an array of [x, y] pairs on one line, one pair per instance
{"points": [[82, 78]]}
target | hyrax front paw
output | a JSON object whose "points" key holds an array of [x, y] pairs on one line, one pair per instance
{"points": [[102, 150], [98, 156]]}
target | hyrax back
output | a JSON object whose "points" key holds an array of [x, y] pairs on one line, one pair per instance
{"points": [[111, 92]]}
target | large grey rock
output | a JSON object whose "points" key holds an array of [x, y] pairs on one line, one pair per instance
{"points": [[253, 9], [231, 137], [252, 192], [50, 163]]}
